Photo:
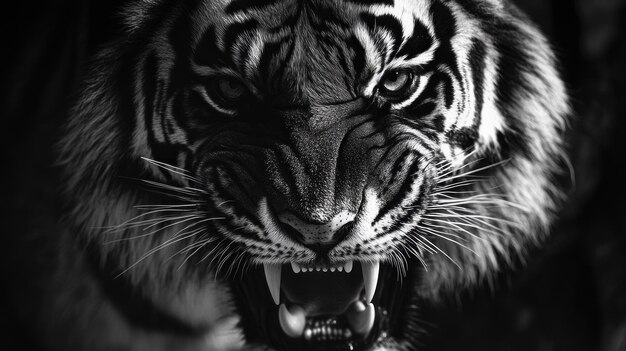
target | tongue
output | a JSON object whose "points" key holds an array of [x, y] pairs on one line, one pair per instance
{"points": [[321, 293]]}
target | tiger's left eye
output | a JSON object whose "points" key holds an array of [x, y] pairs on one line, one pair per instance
{"points": [[230, 90], [396, 83]]}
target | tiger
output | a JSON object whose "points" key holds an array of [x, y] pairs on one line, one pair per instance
{"points": [[303, 175]]}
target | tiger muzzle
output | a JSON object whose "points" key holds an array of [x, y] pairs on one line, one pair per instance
{"points": [[316, 181]]}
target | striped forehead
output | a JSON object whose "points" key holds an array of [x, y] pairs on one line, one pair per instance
{"points": [[270, 16]]}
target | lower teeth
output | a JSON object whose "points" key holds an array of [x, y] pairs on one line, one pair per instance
{"points": [[327, 333], [360, 318]]}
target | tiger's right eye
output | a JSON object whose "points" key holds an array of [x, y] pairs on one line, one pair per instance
{"points": [[230, 90]]}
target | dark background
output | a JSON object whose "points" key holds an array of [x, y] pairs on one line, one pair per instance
{"points": [[569, 295]]}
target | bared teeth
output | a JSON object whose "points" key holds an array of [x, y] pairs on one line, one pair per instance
{"points": [[272, 276], [295, 267], [361, 317], [292, 320], [348, 266], [370, 278]]}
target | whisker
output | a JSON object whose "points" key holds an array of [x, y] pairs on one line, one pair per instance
{"points": [[473, 171], [172, 169], [443, 253], [154, 250]]}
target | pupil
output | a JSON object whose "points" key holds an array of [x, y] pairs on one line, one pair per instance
{"points": [[396, 80], [230, 88]]}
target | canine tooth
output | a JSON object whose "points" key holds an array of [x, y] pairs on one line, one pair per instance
{"points": [[361, 317], [295, 267], [370, 278], [348, 266], [308, 334], [272, 276], [292, 320], [340, 268]]}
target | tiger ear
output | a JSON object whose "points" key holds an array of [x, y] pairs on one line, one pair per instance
{"points": [[138, 13]]}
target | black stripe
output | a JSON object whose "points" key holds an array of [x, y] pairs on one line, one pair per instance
{"points": [[419, 109], [153, 100], [514, 63], [443, 21], [358, 55], [388, 23], [464, 137], [438, 122], [432, 88], [179, 111], [413, 209], [235, 31], [278, 74], [513, 141], [246, 5], [400, 194], [445, 28], [207, 53], [396, 170], [323, 16], [220, 189], [477, 59], [372, 2], [419, 42], [269, 52]]}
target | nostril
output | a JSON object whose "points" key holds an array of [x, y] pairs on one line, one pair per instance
{"points": [[317, 243], [293, 233], [320, 237], [342, 232]]}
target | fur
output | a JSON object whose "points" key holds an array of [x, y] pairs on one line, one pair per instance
{"points": [[515, 151]]}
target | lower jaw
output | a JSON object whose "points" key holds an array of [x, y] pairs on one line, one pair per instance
{"points": [[333, 333], [356, 323], [260, 317], [338, 329]]}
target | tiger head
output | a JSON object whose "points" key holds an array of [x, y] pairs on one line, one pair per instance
{"points": [[333, 163]]}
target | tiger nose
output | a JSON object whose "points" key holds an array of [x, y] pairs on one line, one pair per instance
{"points": [[319, 237]]}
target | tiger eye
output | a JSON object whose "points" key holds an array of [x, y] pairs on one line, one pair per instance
{"points": [[396, 83], [230, 89]]}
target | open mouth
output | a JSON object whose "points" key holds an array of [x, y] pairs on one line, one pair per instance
{"points": [[346, 306], [324, 302]]}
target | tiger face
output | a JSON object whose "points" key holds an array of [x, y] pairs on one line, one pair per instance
{"points": [[332, 162]]}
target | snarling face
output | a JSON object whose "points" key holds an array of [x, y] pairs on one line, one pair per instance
{"points": [[333, 160]]}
